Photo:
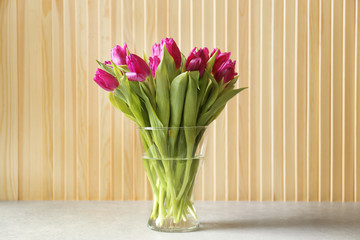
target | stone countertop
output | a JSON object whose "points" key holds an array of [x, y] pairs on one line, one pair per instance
{"points": [[219, 220]]}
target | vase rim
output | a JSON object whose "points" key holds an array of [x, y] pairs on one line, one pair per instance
{"points": [[164, 128]]}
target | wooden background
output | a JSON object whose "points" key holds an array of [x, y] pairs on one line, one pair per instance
{"points": [[293, 135]]}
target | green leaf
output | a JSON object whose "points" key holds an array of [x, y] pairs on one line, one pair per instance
{"points": [[177, 98], [163, 89], [206, 118], [132, 100], [116, 70], [106, 68], [121, 105]]}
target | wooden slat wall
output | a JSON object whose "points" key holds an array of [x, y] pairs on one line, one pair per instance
{"points": [[294, 135]]}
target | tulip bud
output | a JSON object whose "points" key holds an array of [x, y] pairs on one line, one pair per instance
{"points": [[139, 70], [154, 63], [105, 80], [157, 52], [173, 50], [197, 60], [220, 59], [226, 71], [118, 54]]}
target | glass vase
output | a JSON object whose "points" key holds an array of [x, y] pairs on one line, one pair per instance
{"points": [[172, 158]]}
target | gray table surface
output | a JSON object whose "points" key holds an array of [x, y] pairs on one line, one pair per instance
{"points": [[219, 220]]}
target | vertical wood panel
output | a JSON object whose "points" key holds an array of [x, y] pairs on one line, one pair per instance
{"points": [[93, 102], [70, 101], [348, 111], [254, 101], [301, 82], [232, 139], [58, 119], [324, 98], [9, 101], [265, 102], [33, 157], [242, 101], [293, 135], [289, 100], [337, 99], [46, 95], [313, 101], [81, 38]]}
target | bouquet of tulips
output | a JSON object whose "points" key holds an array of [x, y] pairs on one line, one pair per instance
{"points": [[172, 94]]}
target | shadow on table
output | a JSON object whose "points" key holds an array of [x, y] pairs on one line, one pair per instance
{"points": [[276, 223]]}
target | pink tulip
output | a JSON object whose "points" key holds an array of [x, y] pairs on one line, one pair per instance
{"points": [[173, 50], [118, 54], [157, 52], [226, 71], [154, 63], [139, 70], [220, 59], [197, 60], [105, 80]]}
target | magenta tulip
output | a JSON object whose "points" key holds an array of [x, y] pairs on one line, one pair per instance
{"points": [[154, 63], [157, 52], [220, 59], [118, 54], [226, 71], [173, 50], [105, 80], [139, 70], [197, 60]]}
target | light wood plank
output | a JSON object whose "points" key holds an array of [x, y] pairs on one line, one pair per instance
{"points": [[81, 36], [47, 98], [313, 101], [242, 100], [337, 83], [70, 100], [173, 21], [349, 67], [255, 102], [184, 26], [58, 116], [93, 101], [324, 159], [33, 75], [301, 86], [23, 99], [265, 101], [9, 99], [278, 100], [289, 100]]}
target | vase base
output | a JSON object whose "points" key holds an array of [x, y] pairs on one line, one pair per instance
{"points": [[168, 225]]}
